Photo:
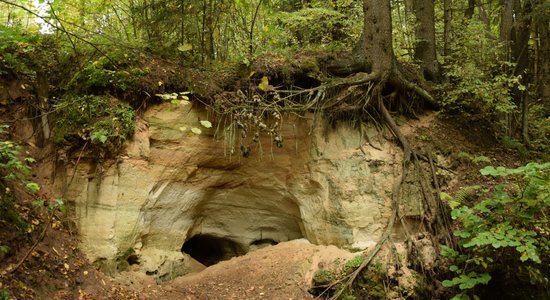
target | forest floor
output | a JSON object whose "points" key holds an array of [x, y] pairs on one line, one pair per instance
{"points": [[57, 269]]}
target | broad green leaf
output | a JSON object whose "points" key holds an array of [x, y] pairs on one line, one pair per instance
{"points": [[206, 124], [32, 186], [196, 130]]}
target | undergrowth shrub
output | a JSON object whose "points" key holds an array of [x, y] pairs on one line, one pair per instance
{"points": [[478, 81], [102, 120], [25, 55], [539, 131], [116, 73], [14, 170], [506, 232], [321, 24]]}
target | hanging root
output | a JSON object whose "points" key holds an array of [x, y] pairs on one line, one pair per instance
{"points": [[434, 211], [407, 154], [359, 96]]}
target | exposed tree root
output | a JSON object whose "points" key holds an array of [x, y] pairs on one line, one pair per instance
{"points": [[359, 96], [407, 154]]}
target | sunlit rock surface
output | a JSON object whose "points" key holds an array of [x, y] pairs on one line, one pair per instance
{"points": [[171, 185]]}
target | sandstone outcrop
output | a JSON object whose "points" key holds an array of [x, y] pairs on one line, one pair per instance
{"points": [[172, 190]]}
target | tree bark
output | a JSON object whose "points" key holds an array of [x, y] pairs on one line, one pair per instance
{"points": [[469, 12], [483, 16], [544, 36], [447, 19], [375, 48], [542, 61], [425, 50], [506, 23]]}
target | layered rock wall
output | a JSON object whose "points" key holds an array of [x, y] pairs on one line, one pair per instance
{"points": [[170, 185]]}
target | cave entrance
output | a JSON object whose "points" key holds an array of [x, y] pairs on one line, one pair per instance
{"points": [[210, 250]]}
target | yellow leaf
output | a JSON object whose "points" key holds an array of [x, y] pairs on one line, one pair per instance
{"points": [[35, 254], [264, 85], [185, 47], [160, 83], [35, 222]]}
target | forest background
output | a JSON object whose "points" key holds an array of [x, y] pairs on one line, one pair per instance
{"points": [[485, 61]]}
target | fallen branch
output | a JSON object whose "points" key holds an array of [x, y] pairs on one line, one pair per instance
{"points": [[40, 237]]}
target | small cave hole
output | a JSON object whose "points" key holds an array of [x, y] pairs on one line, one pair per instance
{"points": [[258, 244], [132, 259], [210, 250]]}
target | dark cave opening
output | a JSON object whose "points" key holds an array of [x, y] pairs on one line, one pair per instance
{"points": [[210, 250]]}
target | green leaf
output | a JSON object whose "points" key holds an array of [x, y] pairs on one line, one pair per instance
{"points": [[38, 202], [33, 187], [206, 124], [448, 283], [196, 130]]}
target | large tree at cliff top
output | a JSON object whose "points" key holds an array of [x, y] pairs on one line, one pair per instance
{"points": [[385, 86], [374, 52]]}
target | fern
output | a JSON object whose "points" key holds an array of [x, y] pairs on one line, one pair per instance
{"points": [[461, 196]]}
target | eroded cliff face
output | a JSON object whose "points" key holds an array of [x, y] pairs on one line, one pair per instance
{"points": [[171, 190]]}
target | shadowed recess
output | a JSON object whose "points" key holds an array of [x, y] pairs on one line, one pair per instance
{"points": [[209, 249]]}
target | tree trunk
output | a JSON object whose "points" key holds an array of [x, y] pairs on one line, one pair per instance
{"points": [[447, 19], [425, 51], [375, 47], [520, 55], [506, 23], [469, 12], [541, 23], [544, 65], [483, 16]]}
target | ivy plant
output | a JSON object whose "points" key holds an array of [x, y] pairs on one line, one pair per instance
{"points": [[506, 231]]}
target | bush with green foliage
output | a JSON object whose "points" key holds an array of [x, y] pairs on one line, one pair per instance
{"points": [[506, 231], [116, 73], [102, 120], [478, 81], [321, 26], [14, 170], [539, 131], [22, 53]]}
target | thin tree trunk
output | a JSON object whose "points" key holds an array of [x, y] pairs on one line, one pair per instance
{"points": [[469, 12], [182, 20], [483, 16], [520, 55], [447, 19], [505, 36], [542, 61], [425, 51], [506, 23]]}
